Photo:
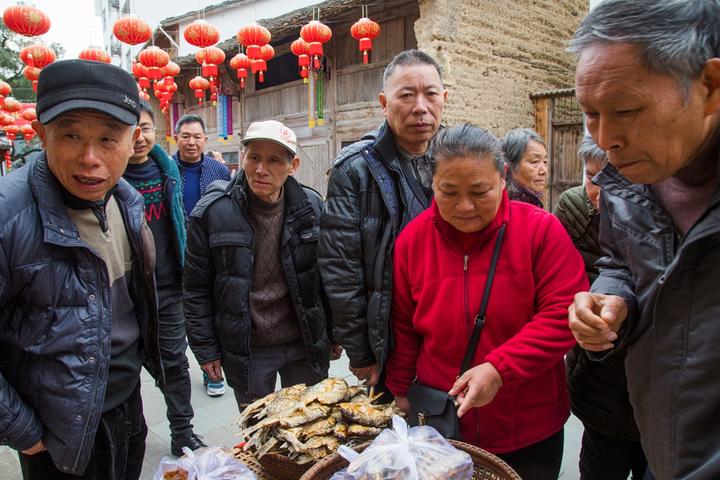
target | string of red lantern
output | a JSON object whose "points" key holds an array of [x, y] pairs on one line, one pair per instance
{"points": [[315, 34], [364, 31], [254, 37], [199, 84], [301, 49], [241, 63], [201, 34]]}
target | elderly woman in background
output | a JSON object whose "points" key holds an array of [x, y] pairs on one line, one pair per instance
{"points": [[513, 399], [598, 390], [527, 160]]}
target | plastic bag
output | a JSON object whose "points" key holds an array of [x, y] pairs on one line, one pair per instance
{"points": [[212, 463], [417, 453]]}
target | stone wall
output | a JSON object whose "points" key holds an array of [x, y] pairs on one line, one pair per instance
{"points": [[494, 54]]}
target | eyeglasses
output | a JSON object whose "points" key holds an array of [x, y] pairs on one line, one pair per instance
{"points": [[147, 129]]}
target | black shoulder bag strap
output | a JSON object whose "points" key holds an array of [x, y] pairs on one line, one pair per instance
{"points": [[480, 317]]}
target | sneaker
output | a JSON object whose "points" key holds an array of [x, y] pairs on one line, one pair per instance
{"points": [[189, 440], [213, 389]]}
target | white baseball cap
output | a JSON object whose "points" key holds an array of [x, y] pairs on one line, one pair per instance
{"points": [[274, 131]]}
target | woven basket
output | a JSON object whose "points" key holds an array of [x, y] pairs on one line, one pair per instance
{"points": [[487, 465], [281, 467]]}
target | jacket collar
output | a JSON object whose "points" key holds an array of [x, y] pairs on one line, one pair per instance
{"points": [[295, 196], [57, 226], [482, 236]]}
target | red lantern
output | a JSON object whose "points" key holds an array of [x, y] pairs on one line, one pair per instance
{"points": [[26, 20], [153, 58], [38, 56], [201, 34], [143, 94], [316, 33], [241, 63], [29, 114], [253, 37], [365, 30], [27, 131], [301, 49], [11, 131], [132, 30], [95, 54], [259, 65], [199, 84], [6, 119], [11, 105], [210, 58], [169, 71], [5, 89], [32, 74]]}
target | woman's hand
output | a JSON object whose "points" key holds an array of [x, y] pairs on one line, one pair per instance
{"points": [[403, 404], [476, 387]]}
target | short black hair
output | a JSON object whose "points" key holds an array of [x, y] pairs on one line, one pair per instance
{"points": [[410, 57], [190, 119], [146, 107]]}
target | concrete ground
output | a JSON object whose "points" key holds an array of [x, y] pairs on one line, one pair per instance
{"points": [[214, 420]]}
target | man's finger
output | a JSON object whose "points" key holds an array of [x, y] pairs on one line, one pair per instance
{"points": [[469, 400]]}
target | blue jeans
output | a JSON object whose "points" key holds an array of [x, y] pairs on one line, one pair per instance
{"points": [[173, 345], [117, 453]]}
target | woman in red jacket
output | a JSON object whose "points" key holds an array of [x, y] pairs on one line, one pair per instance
{"points": [[513, 400]]}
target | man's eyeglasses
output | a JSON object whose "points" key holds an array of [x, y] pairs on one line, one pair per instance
{"points": [[147, 129]]}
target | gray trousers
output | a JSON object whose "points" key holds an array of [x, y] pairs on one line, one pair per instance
{"points": [[173, 345], [288, 359]]}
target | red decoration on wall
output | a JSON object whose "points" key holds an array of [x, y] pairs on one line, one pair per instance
{"points": [[26, 20], [201, 34], [365, 30], [132, 30], [96, 54]]}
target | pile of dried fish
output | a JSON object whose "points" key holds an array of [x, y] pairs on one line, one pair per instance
{"points": [[310, 423]]}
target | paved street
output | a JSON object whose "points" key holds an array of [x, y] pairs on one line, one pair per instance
{"points": [[214, 418]]}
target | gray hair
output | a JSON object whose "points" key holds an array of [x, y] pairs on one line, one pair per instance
{"points": [[590, 152], [189, 119], [467, 140], [676, 37], [410, 57], [514, 144]]}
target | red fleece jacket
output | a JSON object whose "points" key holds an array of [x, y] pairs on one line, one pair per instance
{"points": [[526, 335]]}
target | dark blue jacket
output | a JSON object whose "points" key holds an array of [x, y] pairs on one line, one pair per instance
{"points": [[55, 316]]}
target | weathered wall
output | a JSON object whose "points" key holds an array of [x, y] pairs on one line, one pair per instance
{"points": [[494, 54]]}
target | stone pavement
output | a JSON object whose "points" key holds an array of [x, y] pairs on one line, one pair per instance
{"points": [[214, 418]]}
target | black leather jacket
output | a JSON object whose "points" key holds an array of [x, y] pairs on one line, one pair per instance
{"points": [[218, 276], [672, 332], [55, 316], [357, 236]]}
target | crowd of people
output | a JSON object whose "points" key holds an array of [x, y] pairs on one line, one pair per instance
{"points": [[115, 256]]}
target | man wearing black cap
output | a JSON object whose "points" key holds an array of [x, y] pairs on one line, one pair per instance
{"points": [[78, 311]]}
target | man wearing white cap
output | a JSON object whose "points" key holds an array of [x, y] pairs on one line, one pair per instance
{"points": [[253, 297]]}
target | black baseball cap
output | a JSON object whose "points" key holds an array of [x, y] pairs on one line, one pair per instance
{"points": [[84, 84]]}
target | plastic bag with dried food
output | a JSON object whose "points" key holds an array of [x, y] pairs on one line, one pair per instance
{"points": [[211, 463], [416, 453]]}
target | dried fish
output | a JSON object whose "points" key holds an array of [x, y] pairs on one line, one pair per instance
{"points": [[327, 392], [363, 431], [367, 414]]}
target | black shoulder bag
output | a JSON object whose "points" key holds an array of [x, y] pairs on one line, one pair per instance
{"points": [[433, 407]]}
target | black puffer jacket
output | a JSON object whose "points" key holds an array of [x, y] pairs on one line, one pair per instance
{"points": [[218, 276], [357, 236], [598, 390], [55, 316], [672, 334]]}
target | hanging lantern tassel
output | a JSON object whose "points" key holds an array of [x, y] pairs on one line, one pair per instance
{"points": [[364, 30], [229, 118], [311, 98], [320, 108]]}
